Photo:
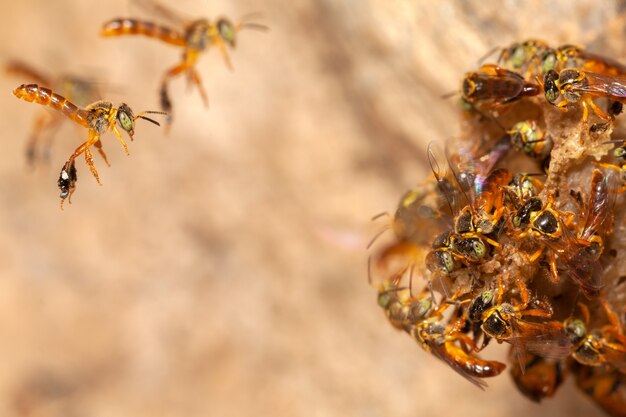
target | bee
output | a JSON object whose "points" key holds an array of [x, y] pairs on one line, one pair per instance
{"points": [[441, 340], [474, 314], [193, 36], [529, 138], [521, 189], [604, 346], [534, 58], [546, 225], [595, 348], [581, 254], [525, 58], [605, 386], [572, 86], [97, 117], [540, 378], [620, 154], [403, 310], [481, 216], [78, 90], [572, 56], [496, 85], [506, 322]]}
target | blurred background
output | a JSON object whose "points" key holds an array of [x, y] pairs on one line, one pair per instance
{"points": [[221, 269]]}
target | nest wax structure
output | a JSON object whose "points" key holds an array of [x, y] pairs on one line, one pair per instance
{"points": [[516, 237]]}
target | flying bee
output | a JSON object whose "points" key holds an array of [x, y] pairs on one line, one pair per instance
{"points": [[97, 117], [441, 340], [193, 36], [78, 90], [541, 376], [528, 137], [571, 87], [506, 322], [496, 85]]}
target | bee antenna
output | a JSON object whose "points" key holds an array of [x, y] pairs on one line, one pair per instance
{"points": [[614, 141], [254, 26], [379, 215], [150, 120], [449, 94], [411, 270], [141, 116], [488, 54], [377, 235]]}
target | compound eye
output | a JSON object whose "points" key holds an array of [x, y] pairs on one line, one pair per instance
{"points": [[468, 88], [550, 89], [548, 63], [126, 121], [227, 31], [447, 261], [576, 330], [479, 248], [519, 56]]}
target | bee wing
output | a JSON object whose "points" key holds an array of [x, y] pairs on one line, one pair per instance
{"points": [[599, 210], [616, 357], [605, 85], [547, 340], [25, 71], [439, 351], [446, 184], [585, 270], [161, 12], [473, 164]]}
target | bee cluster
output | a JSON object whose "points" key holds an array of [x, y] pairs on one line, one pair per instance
{"points": [[516, 236]]}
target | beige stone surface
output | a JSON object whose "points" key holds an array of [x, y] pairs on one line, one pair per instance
{"points": [[221, 270]]}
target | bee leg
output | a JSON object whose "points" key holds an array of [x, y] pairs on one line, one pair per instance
{"points": [[523, 293], [189, 59], [597, 110], [536, 255], [92, 167], [554, 273], [195, 78], [121, 139], [226, 57], [166, 103], [98, 146], [84, 148]]}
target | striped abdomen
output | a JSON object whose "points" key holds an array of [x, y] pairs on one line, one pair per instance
{"points": [[117, 27], [45, 96]]}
